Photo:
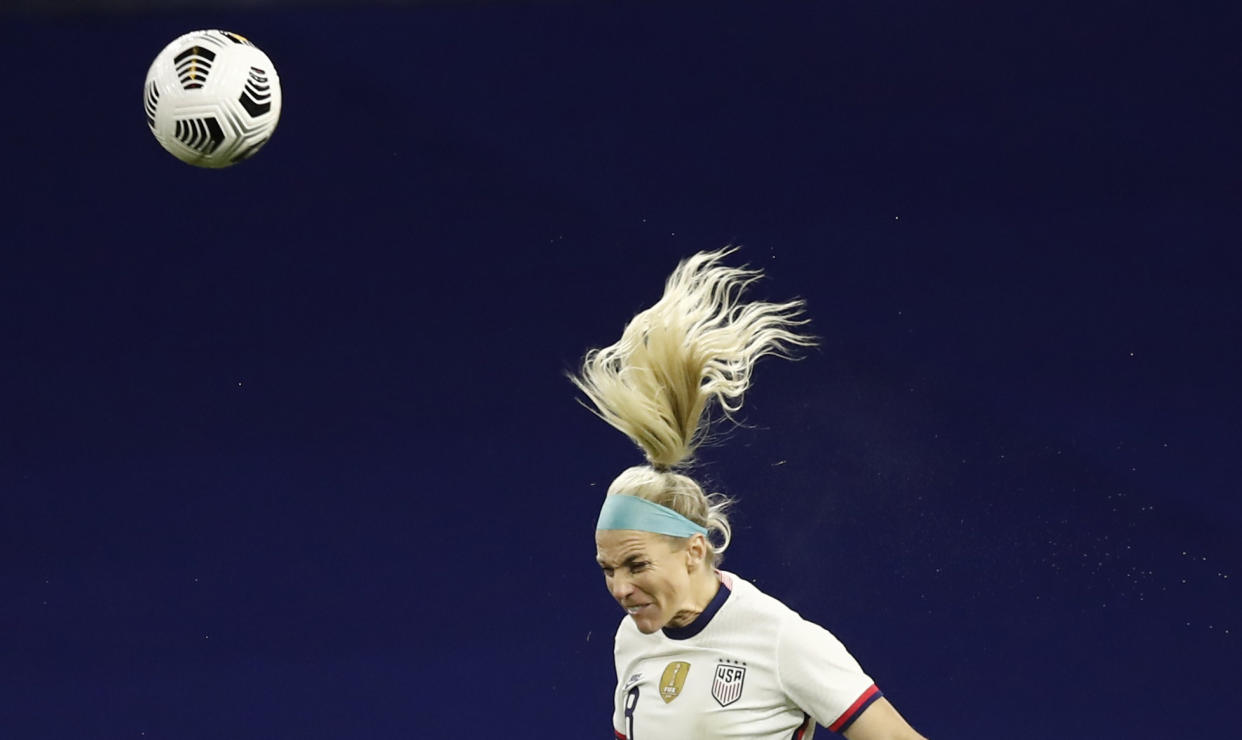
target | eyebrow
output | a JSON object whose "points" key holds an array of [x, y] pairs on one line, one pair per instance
{"points": [[627, 562]]}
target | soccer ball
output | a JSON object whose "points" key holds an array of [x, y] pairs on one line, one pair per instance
{"points": [[212, 98]]}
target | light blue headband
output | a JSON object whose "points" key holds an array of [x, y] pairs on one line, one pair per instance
{"points": [[631, 512]]}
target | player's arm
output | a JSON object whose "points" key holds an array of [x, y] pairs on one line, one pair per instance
{"points": [[880, 721]]}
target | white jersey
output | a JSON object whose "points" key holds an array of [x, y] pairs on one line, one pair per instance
{"points": [[747, 667]]}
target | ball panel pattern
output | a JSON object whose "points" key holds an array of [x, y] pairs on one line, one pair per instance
{"points": [[151, 102], [256, 95], [203, 135], [212, 98], [236, 38], [193, 66]]}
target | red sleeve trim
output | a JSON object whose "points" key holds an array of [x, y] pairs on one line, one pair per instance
{"points": [[802, 728], [856, 709], [618, 734]]}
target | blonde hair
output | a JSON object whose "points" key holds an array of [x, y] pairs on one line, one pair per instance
{"points": [[657, 384]]}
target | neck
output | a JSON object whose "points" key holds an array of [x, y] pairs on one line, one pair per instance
{"points": [[702, 590]]}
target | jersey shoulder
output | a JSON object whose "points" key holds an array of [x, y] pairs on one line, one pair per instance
{"points": [[751, 603]]}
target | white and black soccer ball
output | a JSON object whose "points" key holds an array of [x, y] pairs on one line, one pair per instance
{"points": [[212, 98]]}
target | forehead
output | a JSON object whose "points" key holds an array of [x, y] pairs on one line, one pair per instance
{"points": [[615, 545]]}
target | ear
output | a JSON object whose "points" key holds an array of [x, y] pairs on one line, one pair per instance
{"points": [[696, 552]]}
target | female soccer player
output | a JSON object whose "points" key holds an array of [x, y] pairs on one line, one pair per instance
{"points": [[704, 654]]}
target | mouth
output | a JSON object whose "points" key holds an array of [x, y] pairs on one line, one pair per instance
{"points": [[632, 610]]}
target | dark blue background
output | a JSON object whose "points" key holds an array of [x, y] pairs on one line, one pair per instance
{"points": [[288, 450]]}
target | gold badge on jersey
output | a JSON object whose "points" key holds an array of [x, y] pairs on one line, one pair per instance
{"points": [[673, 679]]}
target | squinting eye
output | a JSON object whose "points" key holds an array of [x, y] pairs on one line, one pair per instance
{"points": [[637, 567]]}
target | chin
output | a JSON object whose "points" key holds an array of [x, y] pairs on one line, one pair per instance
{"points": [[646, 626]]}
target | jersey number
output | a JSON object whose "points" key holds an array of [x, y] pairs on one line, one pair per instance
{"points": [[631, 701]]}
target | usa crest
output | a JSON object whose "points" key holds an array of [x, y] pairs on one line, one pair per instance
{"points": [[727, 684], [673, 679]]}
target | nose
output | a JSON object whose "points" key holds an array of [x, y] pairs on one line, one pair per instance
{"points": [[621, 587]]}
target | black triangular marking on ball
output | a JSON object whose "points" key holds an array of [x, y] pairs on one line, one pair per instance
{"points": [[237, 39], [193, 65], [217, 134], [192, 134], [252, 105], [151, 103], [207, 54], [203, 135]]}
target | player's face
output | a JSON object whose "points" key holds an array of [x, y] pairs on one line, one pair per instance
{"points": [[648, 576]]}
